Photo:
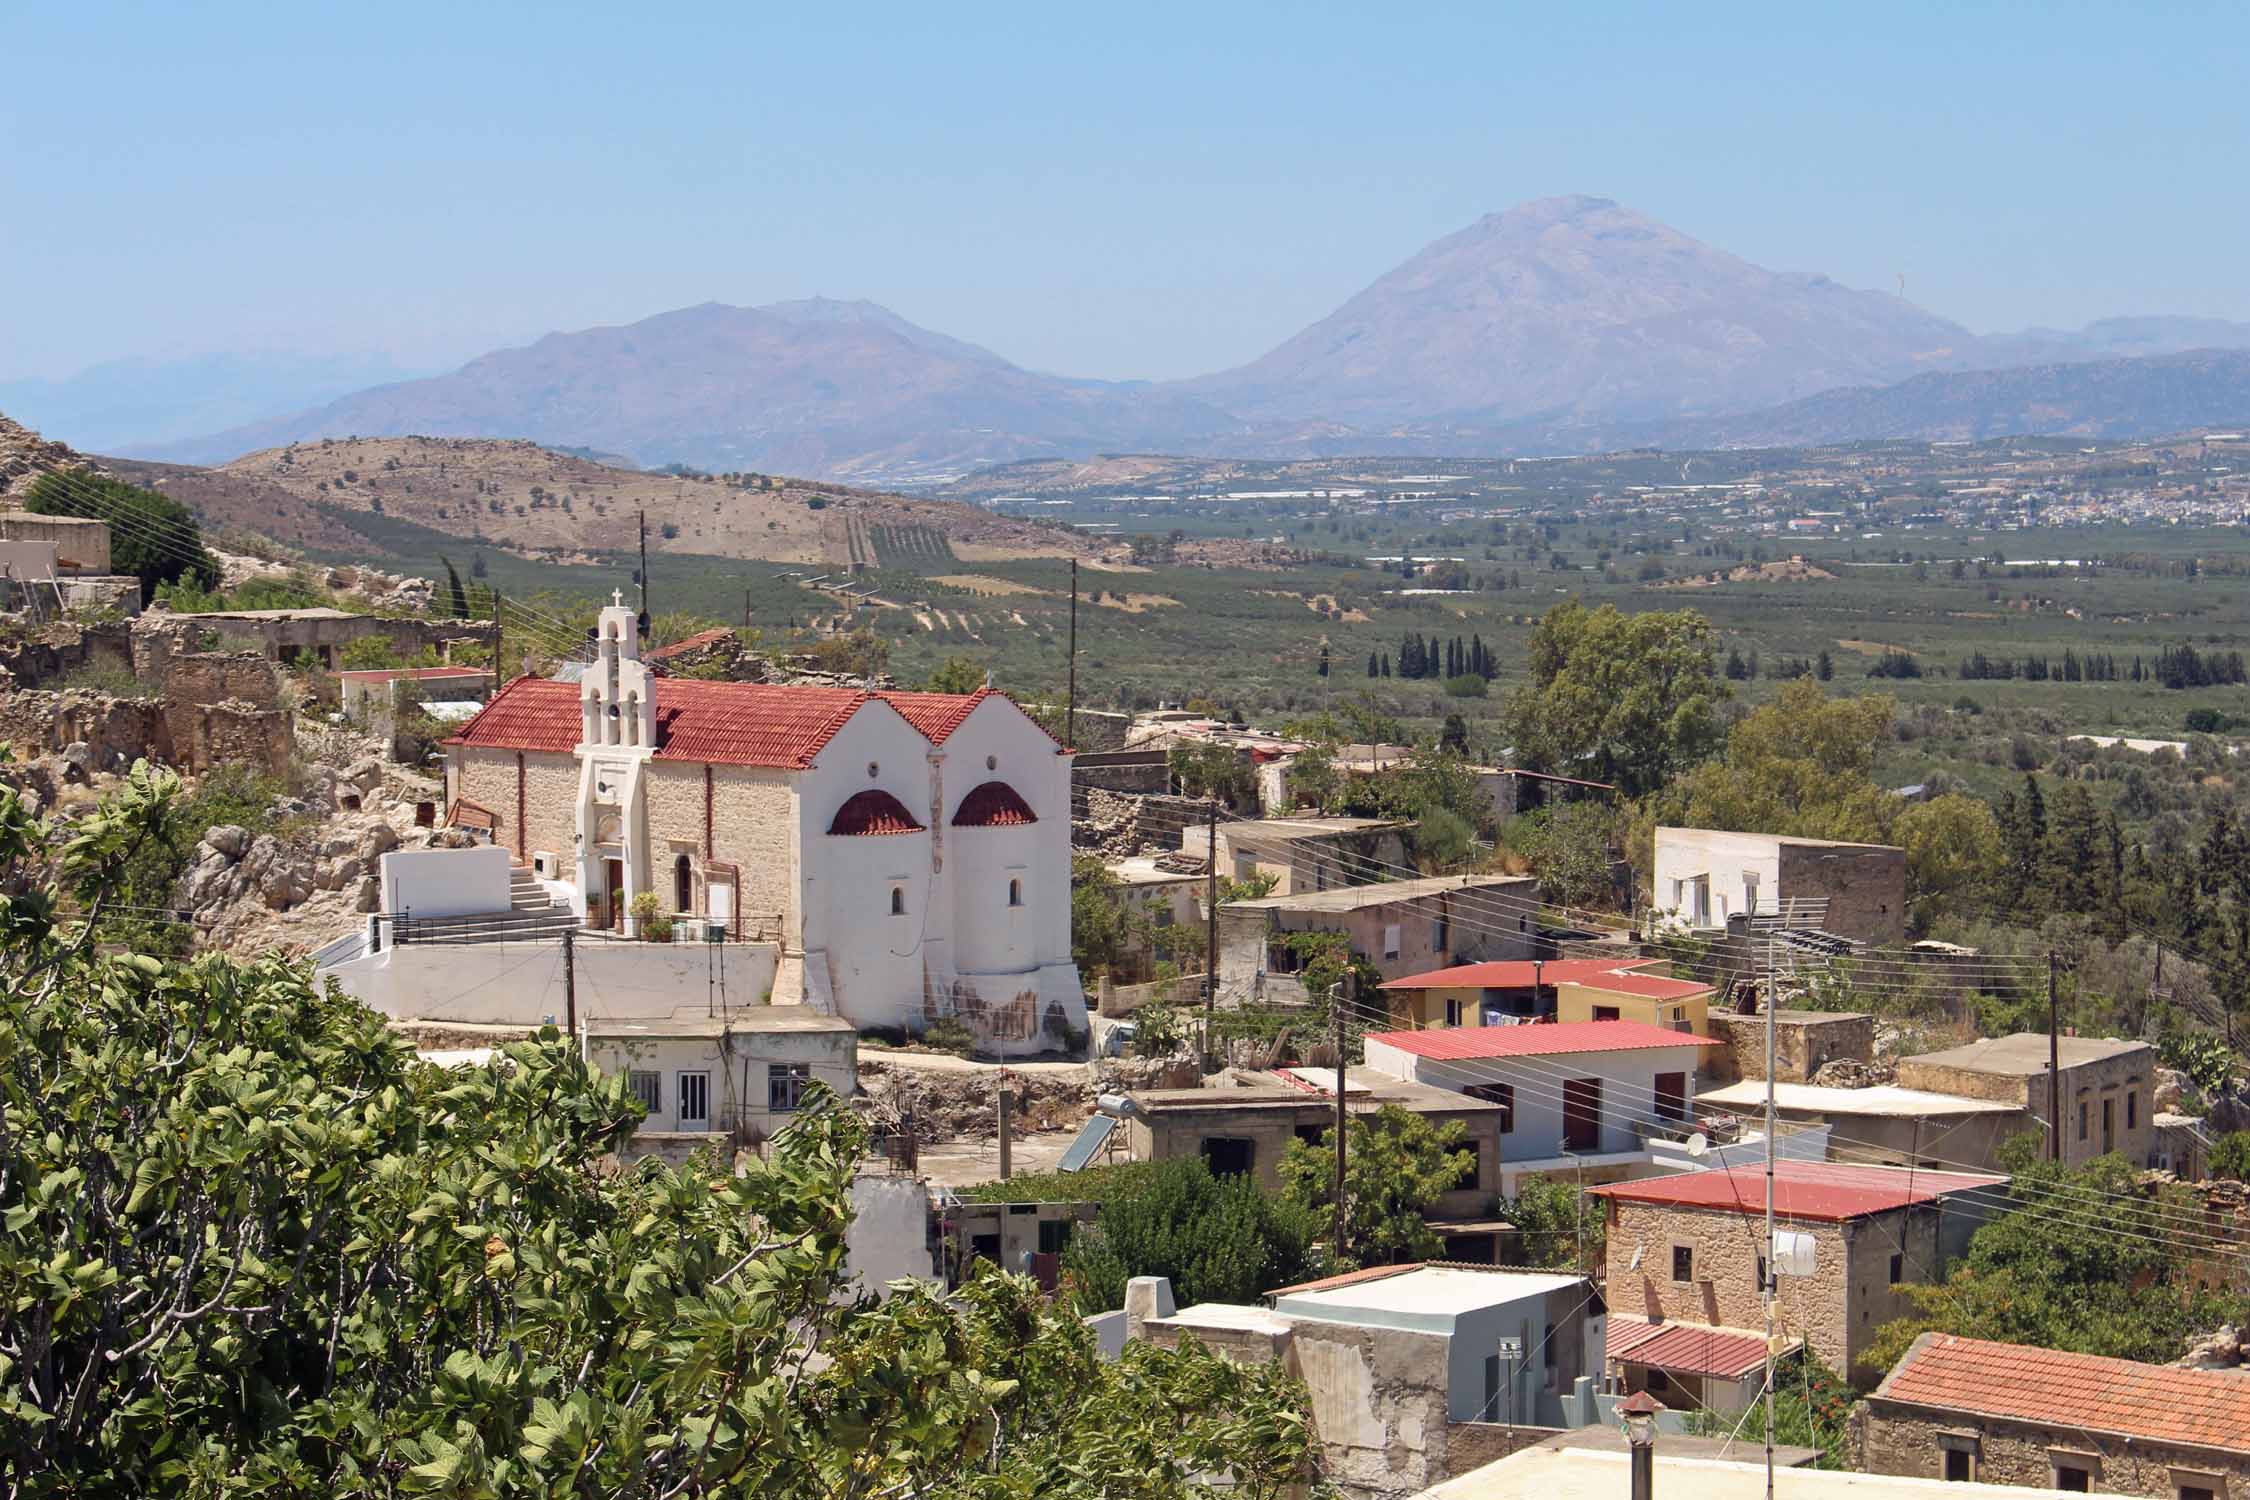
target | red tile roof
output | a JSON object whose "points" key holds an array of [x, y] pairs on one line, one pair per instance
{"points": [[687, 644], [1830, 1191], [2150, 1403], [873, 812], [994, 805], [1685, 1348], [1348, 1278], [725, 723], [937, 715], [412, 674], [1461, 1043], [1515, 974]]}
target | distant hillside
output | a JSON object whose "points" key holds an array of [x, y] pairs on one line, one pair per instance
{"points": [[2108, 398], [531, 500], [1577, 308], [129, 404], [844, 390]]}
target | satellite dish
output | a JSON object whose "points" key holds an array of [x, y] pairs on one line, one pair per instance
{"points": [[1636, 1262], [1698, 1143]]}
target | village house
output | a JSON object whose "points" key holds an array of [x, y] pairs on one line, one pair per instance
{"points": [[1306, 853], [379, 693], [1499, 993], [735, 1078], [2107, 1088], [1703, 877], [1398, 926], [1575, 1096], [1648, 996], [1412, 1372], [1968, 1410], [906, 855], [1169, 891], [1691, 1248], [1883, 1123], [1247, 1127]]}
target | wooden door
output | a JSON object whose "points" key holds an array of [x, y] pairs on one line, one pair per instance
{"points": [[1582, 1114], [613, 879]]}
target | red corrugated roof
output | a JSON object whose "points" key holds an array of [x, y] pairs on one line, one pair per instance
{"points": [[1647, 986], [873, 812], [1830, 1191], [412, 674], [1684, 1348], [994, 805], [1461, 1043], [1515, 974], [2153, 1403]]}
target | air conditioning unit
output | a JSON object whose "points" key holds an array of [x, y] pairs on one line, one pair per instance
{"points": [[543, 864]]}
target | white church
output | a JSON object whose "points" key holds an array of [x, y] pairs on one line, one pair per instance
{"points": [[904, 856]]}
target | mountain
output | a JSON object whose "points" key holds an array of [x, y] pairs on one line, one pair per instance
{"points": [[844, 390], [1577, 308], [2096, 398], [128, 405], [2111, 338]]}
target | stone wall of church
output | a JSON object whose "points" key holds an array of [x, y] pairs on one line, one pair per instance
{"points": [[550, 799], [755, 828]]}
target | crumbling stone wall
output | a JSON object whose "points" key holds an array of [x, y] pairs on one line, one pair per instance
{"points": [[212, 677], [1118, 826], [1804, 1042], [56, 653], [119, 731]]}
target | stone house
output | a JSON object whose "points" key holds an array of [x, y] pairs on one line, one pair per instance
{"points": [[1399, 926], [1588, 1089], [1702, 877], [1691, 1249], [1883, 1123], [1304, 853], [737, 1077], [2108, 1088], [1412, 1371], [1970, 1410], [907, 854]]}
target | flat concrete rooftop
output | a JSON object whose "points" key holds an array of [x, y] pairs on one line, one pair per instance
{"points": [[1429, 1297], [1883, 1100], [2025, 1053]]}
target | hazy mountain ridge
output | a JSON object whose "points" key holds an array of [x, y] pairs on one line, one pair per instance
{"points": [[1561, 325], [1578, 307]]}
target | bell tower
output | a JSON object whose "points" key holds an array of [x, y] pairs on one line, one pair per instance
{"points": [[616, 703]]}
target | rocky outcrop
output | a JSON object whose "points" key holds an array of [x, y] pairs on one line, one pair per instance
{"points": [[25, 455]]}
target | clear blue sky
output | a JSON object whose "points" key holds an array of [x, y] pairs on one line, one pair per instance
{"points": [[1117, 190]]}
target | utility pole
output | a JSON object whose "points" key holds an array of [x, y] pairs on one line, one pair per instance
{"points": [[1070, 730], [570, 986], [746, 609], [499, 668], [1210, 922], [1004, 1099], [1773, 1262], [2054, 1065], [1336, 1012], [643, 515]]}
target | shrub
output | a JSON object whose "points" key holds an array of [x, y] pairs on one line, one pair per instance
{"points": [[950, 1034], [1219, 1239]]}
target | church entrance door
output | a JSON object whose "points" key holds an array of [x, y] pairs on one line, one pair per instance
{"points": [[613, 892]]}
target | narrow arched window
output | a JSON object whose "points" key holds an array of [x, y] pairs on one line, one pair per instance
{"points": [[683, 885], [898, 901], [1015, 893]]}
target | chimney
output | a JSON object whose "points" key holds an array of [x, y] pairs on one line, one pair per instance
{"points": [[1637, 1414]]}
